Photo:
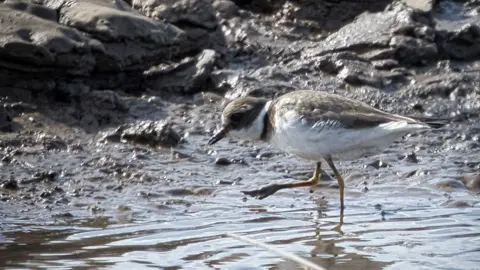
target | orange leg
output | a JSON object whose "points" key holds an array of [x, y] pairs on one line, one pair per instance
{"points": [[266, 191]]}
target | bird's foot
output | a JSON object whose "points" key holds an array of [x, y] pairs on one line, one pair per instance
{"points": [[263, 192]]}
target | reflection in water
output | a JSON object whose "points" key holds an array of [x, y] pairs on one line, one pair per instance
{"points": [[411, 237]]}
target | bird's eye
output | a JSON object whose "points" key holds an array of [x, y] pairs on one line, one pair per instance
{"points": [[236, 117]]}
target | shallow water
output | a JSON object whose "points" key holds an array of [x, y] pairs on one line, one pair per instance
{"points": [[178, 220]]}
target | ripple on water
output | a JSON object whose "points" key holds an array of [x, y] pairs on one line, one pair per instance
{"points": [[410, 236]]}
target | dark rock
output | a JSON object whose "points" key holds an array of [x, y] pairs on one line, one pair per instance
{"points": [[414, 51], [195, 17], [49, 43], [356, 37], [462, 44], [45, 194], [225, 8], [398, 31], [411, 157], [190, 76], [106, 99], [54, 143], [312, 15], [223, 161], [146, 132], [410, 174], [179, 155], [10, 184], [64, 215], [377, 164], [41, 176], [180, 192], [6, 121]]}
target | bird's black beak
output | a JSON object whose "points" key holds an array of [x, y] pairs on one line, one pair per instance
{"points": [[218, 136]]}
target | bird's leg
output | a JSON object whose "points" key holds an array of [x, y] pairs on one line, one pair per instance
{"points": [[338, 228], [341, 183], [266, 191]]}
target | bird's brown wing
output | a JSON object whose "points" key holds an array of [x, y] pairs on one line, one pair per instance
{"points": [[316, 106]]}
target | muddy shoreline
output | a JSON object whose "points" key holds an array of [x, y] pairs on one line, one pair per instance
{"points": [[103, 134]]}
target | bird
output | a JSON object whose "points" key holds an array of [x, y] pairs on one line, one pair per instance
{"points": [[317, 126]]}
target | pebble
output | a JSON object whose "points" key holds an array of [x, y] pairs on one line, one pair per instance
{"points": [[223, 161], [10, 184]]}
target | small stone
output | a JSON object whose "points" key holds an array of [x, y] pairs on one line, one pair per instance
{"points": [[10, 184], [410, 174], [45, 194], [64, 215], [418, 107], [379, 164], [223, 161], [150, 133], [411, 157], [224, 182]]}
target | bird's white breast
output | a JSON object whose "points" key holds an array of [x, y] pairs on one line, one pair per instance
{"points": [[294, 135]]}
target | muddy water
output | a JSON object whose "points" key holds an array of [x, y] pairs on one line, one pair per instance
{"points": [[122, 206]]}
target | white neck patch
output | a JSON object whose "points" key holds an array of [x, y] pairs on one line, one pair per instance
{"points": [[255, 130]]}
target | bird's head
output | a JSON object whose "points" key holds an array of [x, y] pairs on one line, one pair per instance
{"points": [[243, 118]]}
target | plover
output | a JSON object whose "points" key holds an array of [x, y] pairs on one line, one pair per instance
{"points": [[316, 126]]}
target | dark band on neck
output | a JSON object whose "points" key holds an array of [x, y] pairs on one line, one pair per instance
{"points": [[265, 126]]}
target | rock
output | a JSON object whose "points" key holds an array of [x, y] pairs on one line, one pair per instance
{"points": [[377, 164], [223, 161], [353, 69], [411, 157], [54, 143], [423, 5], [10, 184], [106, 99], [190, 76], [356, 36], [386, 31], [154, 134], [195, 17], [461, 44], [313, 15], [6, 120], [82, 38], [225, 8], [445, 84], [414, 51]]}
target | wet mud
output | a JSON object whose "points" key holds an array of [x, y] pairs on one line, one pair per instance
{"points": [[94, 177]]}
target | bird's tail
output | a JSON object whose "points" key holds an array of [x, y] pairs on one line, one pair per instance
{"points": [[435, 122]]}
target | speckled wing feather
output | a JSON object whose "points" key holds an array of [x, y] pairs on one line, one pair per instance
{"points": [[316, 106]]}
